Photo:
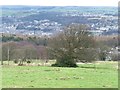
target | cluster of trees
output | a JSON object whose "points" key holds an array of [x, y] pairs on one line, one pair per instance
{"points": [[11, 38], [43, 41], [107, 47], [74, 44], [23, 51], [35, 40]]}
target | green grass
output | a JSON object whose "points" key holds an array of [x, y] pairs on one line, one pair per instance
{"points": [[102, 75]]}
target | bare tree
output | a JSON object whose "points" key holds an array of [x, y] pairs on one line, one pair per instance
{"points": [[74, 43], [42, 53], [1, 54], [7, 50]]}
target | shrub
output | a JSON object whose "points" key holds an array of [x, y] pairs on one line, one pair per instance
{"points": [[28, 62], [15, 61], [65, 63]]}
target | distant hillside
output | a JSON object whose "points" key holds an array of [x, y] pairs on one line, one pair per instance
{"points": [[48, 20], [81, 9]]}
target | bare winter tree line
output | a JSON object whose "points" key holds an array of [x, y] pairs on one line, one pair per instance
{"points": [[22, 52]]}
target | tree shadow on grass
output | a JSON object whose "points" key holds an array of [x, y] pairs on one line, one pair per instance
{"points": [[94, 67]]}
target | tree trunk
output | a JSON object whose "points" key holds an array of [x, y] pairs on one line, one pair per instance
{"points": [[8, 54], [1, 62]]}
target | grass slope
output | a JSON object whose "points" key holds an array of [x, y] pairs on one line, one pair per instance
{"points": [[99, 75]]}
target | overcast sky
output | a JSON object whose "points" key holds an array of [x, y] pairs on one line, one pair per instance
{"points": [[61, 2]]}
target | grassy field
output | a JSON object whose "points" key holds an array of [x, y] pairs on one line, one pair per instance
{"points": [[99, 75]]}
